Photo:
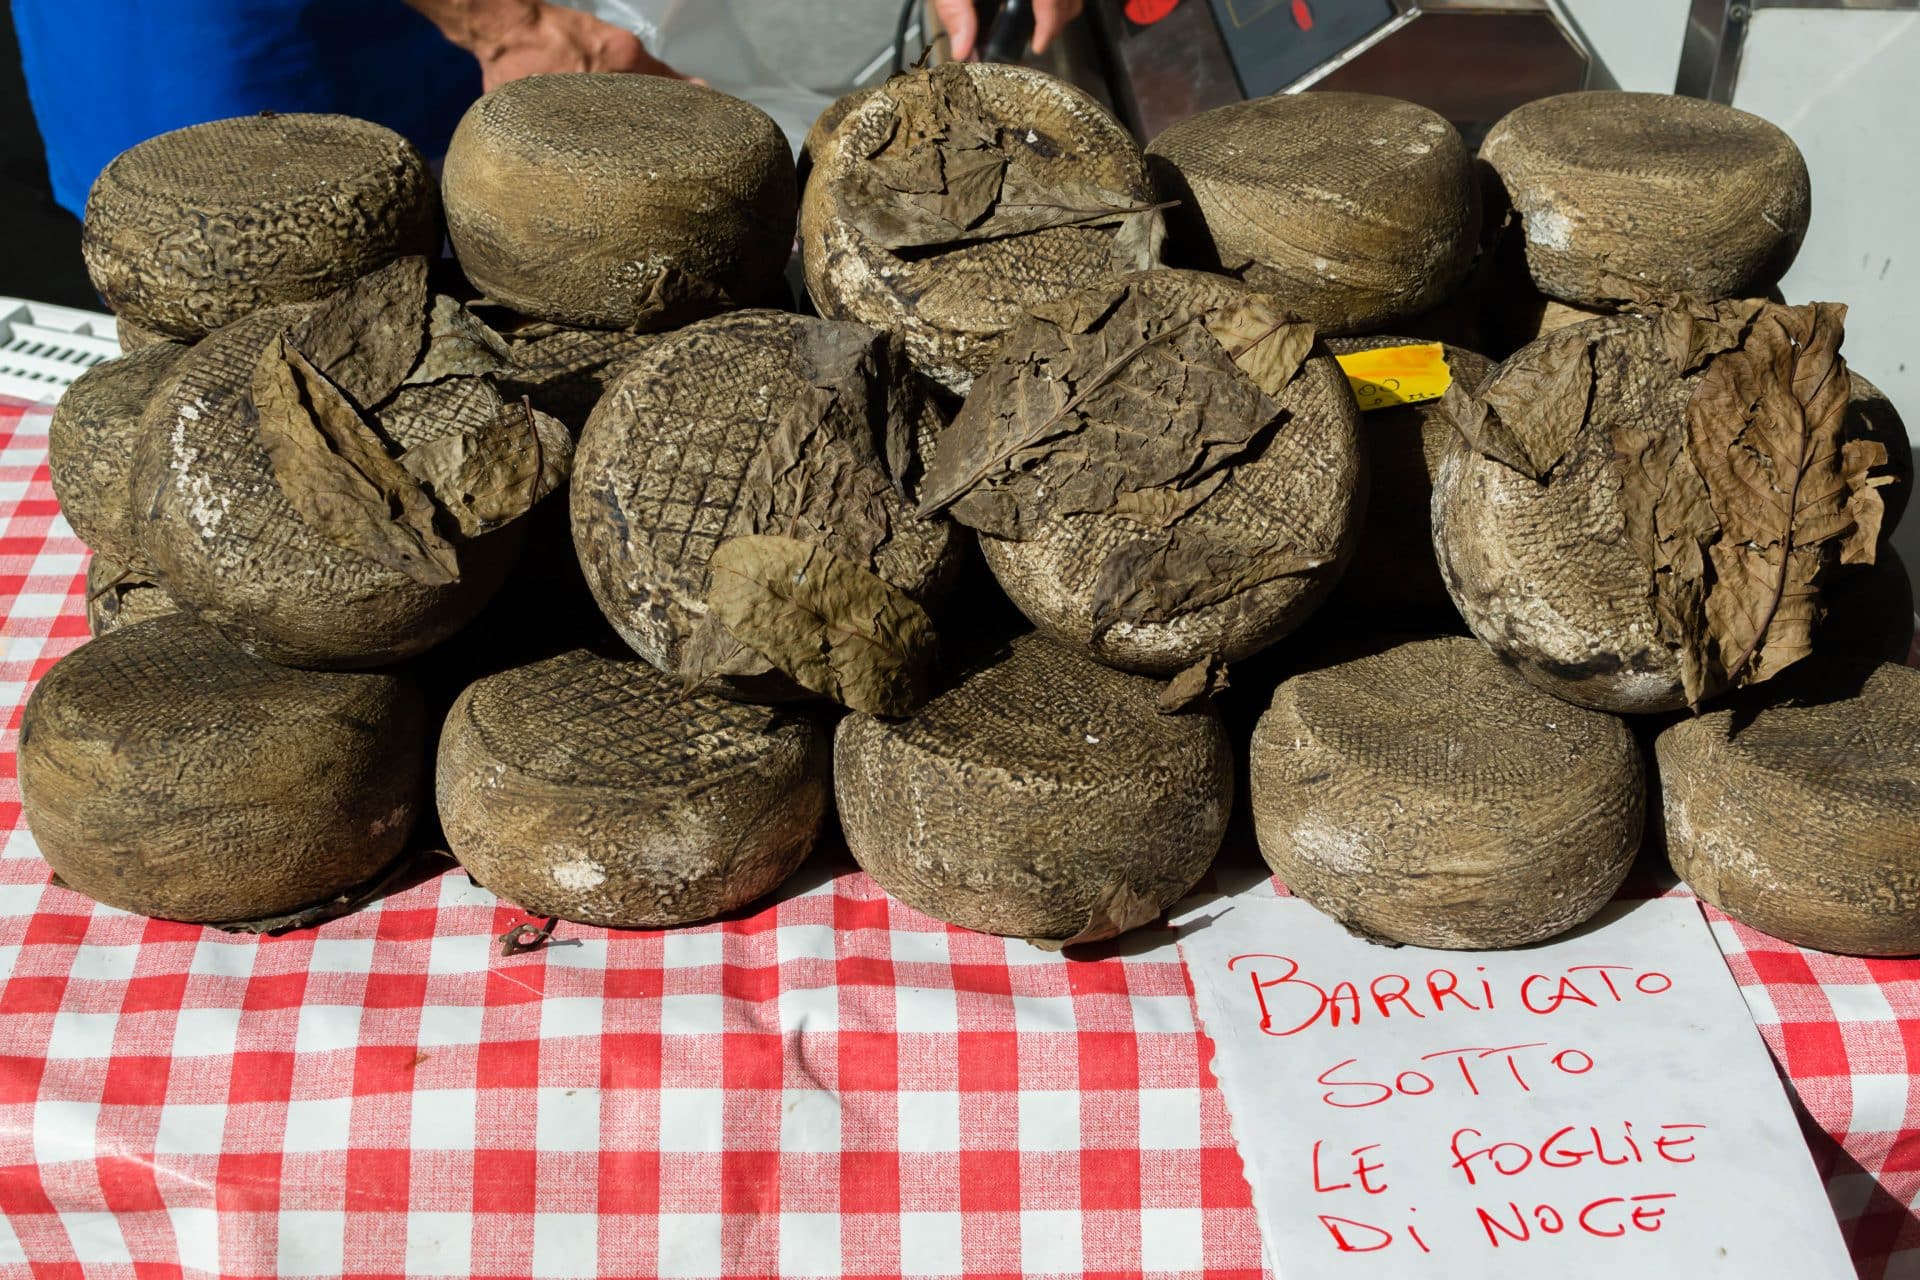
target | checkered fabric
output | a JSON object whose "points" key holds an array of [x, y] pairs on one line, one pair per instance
{"points": [[832, 1085]]}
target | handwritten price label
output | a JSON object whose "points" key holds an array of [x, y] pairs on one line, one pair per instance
{"points": [[1599, 1106], [1389, 376]]}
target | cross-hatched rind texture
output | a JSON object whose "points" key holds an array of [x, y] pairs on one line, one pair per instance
{"points": [[1799, 813], [564, 371], [1545, 574], [118, 597], [1424, 794], [1393, 575], [167, 773], [231, 548], [661, 469], [90, 449], [194, 229], [952, 305], [1010, 803], [1666, 193], [617, 201], [1359, 210], [1300, 490], [595, 790]]}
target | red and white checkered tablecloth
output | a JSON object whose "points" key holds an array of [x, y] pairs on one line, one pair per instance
{"points": [[832, 1085]]}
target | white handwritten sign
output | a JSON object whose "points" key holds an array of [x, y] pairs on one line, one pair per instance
{"points": [[1601, 1105]]}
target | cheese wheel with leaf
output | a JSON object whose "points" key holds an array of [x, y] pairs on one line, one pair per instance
{"points": [[949, 201]]}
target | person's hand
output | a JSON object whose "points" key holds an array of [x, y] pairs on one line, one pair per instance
{"points": [[552, 37], [515, 38], [1050, 18]]}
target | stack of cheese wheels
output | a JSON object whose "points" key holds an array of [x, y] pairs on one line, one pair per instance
{"points": [[675, 453], [1800, 814], [1620, 193], [194, 229], [1299, 488], [619, 201], [1360, 211], [165, 772], [1043, 797], [596, 790], [1423, 794], [1038, 191]]}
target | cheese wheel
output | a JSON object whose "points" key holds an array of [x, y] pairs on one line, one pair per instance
{"points": [[1300, 489], [1799, 814], [232, 549], [1359, 210], [618, 201], [1044, 796], [1650, 191], [663, 476], [597, 790], [118, 597], [193, 229], [90, 449], [951, 301], [1561, 575], [1394, 574], [1421, 793], [164, 772]]}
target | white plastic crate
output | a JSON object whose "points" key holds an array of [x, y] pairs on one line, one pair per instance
{"points": [[43, 348]]}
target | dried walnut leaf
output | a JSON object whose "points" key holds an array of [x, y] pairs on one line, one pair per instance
{"points": [[1194, 687], [1115, 404], [366, 337], [1764, 427], [1117, 909], [1154, 579], [487, 479], [337, 474], [828, 623], [459, 344]]}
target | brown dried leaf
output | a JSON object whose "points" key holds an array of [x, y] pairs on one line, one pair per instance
{"points": [[1116, 910], [1692, 332], [1266, 342], [1764, 426], [1137, 413], [1194, 687], [1155, 579], [489, 478], [337, 474], [459, 344], [1540, 399], [1483, 431], [944, 174], [366, 337], [828, 623]]}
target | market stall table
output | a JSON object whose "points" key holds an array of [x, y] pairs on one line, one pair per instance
{"points": [[828, 1084]]}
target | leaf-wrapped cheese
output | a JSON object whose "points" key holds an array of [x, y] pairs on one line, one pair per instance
{"points": [[1640, 511], [744, 426], [949, 201], [1159, 469]]}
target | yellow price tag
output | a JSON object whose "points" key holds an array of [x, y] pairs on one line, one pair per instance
{"points": [[1389, 376]]}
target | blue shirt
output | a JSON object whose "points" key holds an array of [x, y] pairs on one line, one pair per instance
{"points": [[106, 74]]}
